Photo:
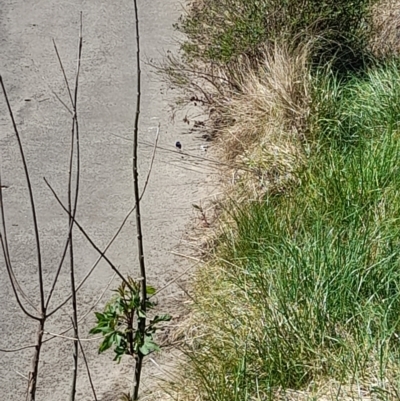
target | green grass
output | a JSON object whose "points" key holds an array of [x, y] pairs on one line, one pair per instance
{"points": [[304, 287], [221, 31]]}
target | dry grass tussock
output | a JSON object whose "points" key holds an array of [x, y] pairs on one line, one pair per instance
{"points": [[262, 134], [386, 27], [265, 121], [261, 117]]}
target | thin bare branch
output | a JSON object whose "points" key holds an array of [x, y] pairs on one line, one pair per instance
{"points": [[75, 127], [120, 227], [71, 338], [62, 102], [86, 364], [5, 350], [153, 156], [143, 286], [31, 199], [64, 74], [21, 375], [97, 261], [60, 265], [11, 275], [3, 237], [81, 229], [117, 232], [72, 208], [87, 312]]}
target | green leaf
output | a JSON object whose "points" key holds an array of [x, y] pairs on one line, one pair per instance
{"points": [[150, 290], [197, 207], [106, 344], [119, 352], [99, 316], [150, 304], [101, 329], [95, 330], [161, 318], [148, 346]]}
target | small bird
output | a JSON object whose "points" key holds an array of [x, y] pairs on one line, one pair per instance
{"points": [[178, 145]]}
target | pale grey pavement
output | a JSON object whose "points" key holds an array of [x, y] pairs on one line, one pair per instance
{"points": [[106, 112]]}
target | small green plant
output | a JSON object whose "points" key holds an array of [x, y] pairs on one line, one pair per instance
{"points": [[118, 322]]}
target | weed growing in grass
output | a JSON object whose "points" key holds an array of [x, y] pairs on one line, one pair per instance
{"points": [[304, 287]]}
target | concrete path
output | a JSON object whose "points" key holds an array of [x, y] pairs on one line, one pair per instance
{"points": [[106, 112]]}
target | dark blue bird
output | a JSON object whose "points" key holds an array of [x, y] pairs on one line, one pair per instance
{"points": [[178, 145]]}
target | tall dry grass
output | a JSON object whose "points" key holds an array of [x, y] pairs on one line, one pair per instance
{"points": [[265, 120], [385, 41], [300, 300], [285, 308]]}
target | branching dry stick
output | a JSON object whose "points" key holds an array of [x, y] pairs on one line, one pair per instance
{"points": [[43, 315], [10, 350], [101, 256], [31, 198], [74, 126], [81, 229], [119, 228], [85, 361], [72, 207], [4, 245], [143, 285], [102, 253], [65, 76], [6, 253], [33, 374]]}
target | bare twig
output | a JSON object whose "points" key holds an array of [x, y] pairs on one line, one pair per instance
{"points": [[64, 75], [73, 114], [70, 338], [13, 281], [72, 207], [119, 229], [151, 163], [87, 312], [17, 349], [21, 375], [33, 374], [31, 198], [97, 261], [75, 127], [86, 363], [81, 229], [62, 102], [143, 286]]}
